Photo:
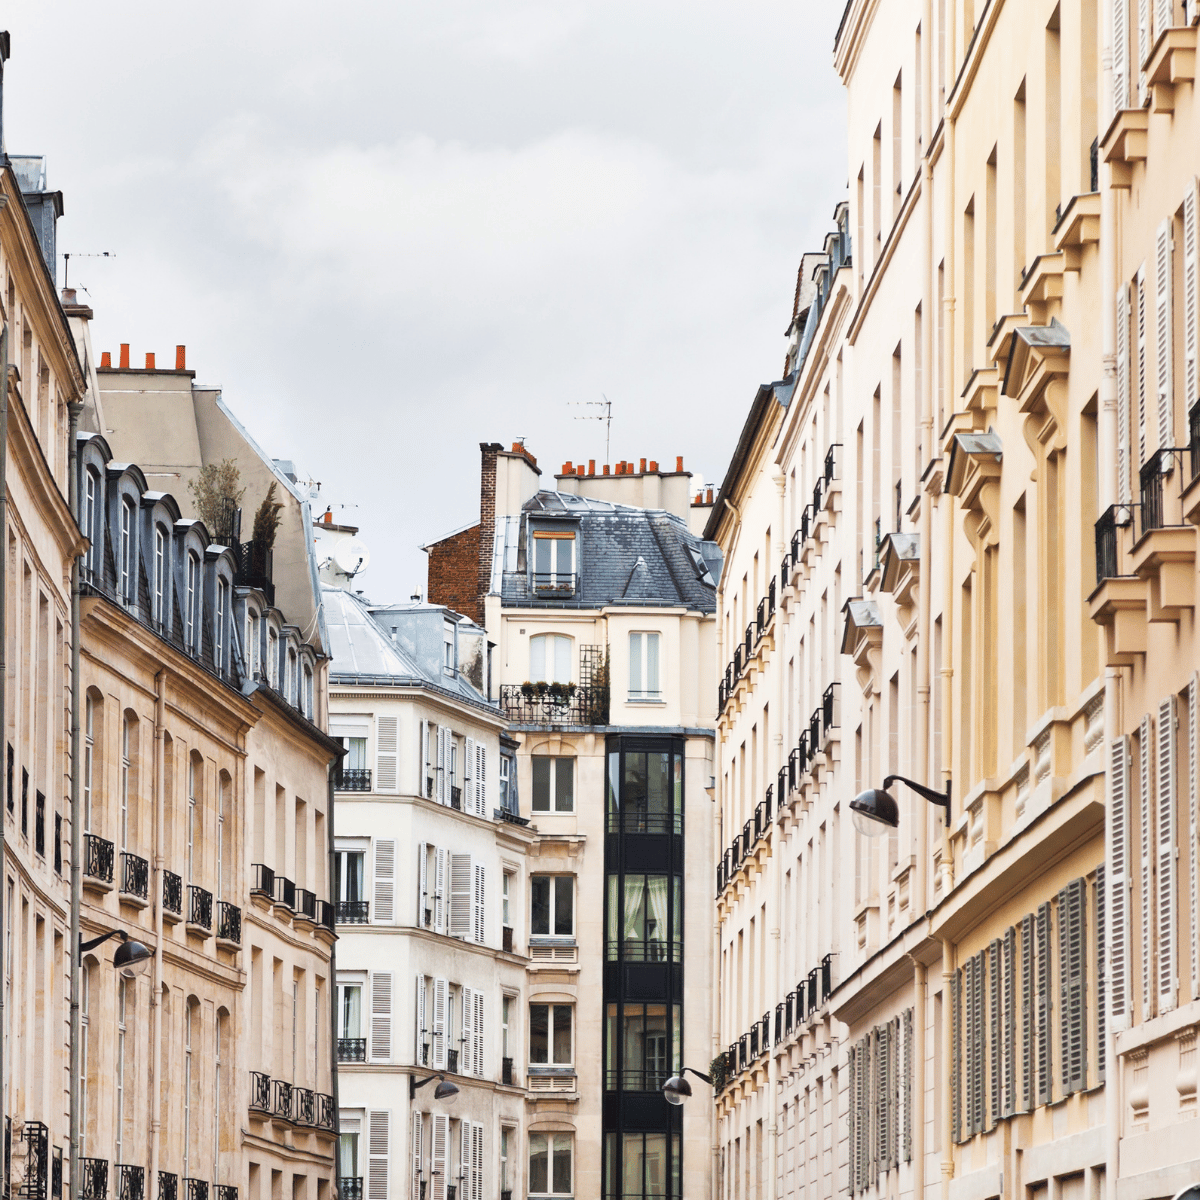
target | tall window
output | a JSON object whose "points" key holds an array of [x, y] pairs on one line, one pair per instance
{"points": [[504, 1136], [505, 884], [273, 658], [191, 617], [348, 876], [126, 766], [289, 684], [219, 625], [91, 486], [348, 1149], [550, 1164], [85, 994], [643, 666], [308, 692], [89, 746], [550, 658], [636, 1166], [505, 1016], [160, 574], [553, 561], [552, 908], [193, 770], [188, 1017], [122, 986], [216, 1129], [349, 1016], [224, 788], [645, 918], [295, 1026], [644, 1044], [125, 556], [253, 649], [550, 1036], [553, 784]]}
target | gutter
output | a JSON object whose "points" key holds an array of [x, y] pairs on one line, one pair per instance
{"points": [[333, 1056], [160, 721], [75, 409], [3, 670]]}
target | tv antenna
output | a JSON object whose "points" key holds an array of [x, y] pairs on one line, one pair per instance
{"points": [[67, 263], [604, 415]]}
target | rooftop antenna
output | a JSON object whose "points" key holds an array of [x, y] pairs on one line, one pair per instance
{"points": [[605, 415], [67, 264]]}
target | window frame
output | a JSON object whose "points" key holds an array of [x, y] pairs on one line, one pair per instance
{"points": [[646, 695], [551, 1138], [551, 1063], [548, 674], [552, 804], [552, 906], [556, 580]]}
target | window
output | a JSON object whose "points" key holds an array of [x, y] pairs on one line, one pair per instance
{"points": [[252, 643], [219, 625], [191, 819], [349, 1003], [552, 906], [348, 889], [448, 649], [289, 682], [273, 658], [189, 1015], [126, 550], [348, 1149], [553, 784], [553, 562], [550, 1164], [126, 765], [91, 486], [505, 1014], [505, 773], [218, 1030], [641, 1050], [505, 1134], [191, 616], [85, 995], [307, 698], [645, 918], [550, 1036], [643, 666], [506, 882], [550, 658], [160, 575], [645, 792], [636, 1166]]}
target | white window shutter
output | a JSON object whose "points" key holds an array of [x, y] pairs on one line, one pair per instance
{"points": [[1118, 883], [476, 1161], [385, 753], [1123, 397], [439, 890], [421, 1054], [468, 1034], [1164, 16], [1164, 329], [384, 879], [478, 915], [464, 1160], [1120, 55], [1191, 299], [1143, 47], [1167, 755], [460, 895], [423, 904], [1141, 364], [1146, 863], [438, 1165], [441, 994], [423, 759], [416, 1156], [440, 791], [477, 1032], [378, 1135], [381, 1016], [481, 780], [1193, 800], [469, 802]]}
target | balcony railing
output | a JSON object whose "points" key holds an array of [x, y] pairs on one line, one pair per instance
{"points": [[353, 779], [645, 950], [281, 1098], [229, 922], [135, 875], [553, 583], [326, 1116], [455, 796], [97, 861], [541, 704], [452, 1061], [506, 1071], [255, 570], [353, 912], [304, 1106], [37, 1161], [260, 1091], [262, 880], [168, 1186], [225, 1191], [1151, 480], [172, 897], [506, 939], [306, 904], [285, 892], [199, 907], [94, 1178], [131, 1182], [352, 1189], [196, 1189], [325, 914], [639, 820], [352, 1049]]}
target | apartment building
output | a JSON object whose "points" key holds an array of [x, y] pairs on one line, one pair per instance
{"points": [[430, 865], [601, 615]]}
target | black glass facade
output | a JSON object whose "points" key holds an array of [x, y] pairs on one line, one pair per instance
{"points": [[643, 970]]}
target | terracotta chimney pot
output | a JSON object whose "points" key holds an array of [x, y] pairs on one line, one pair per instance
{"points": [[181, 358], [679, 463], [606, 471], [124, 356], [708, 496], [149, 360], [591, 466], [654, 465], [106, 359], [641, 466]]}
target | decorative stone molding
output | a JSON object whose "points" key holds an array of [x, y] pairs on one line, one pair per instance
{"points": [[974, 477], [863, 641], [1036, 377], [900, 576]]}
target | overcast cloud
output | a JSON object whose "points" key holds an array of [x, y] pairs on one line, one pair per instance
{"points": [[392, 231]]}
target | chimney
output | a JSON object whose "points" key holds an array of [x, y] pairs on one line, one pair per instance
{"points": [[106, 359], [653, 465], [591, 466], [181, 358], [567, 469], [124, 356], [641, 466], [606, 470], [708, 499], [579, 469], [44, 206], [679, 463], [328, 517], [149, 360], [487, 524]]}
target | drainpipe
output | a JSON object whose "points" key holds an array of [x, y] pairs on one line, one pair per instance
{"points": [[333, 1060], [920, 977], [74, 408], [947, 1066], [3, 677], [160, 723]]}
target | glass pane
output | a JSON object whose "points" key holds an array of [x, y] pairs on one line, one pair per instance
{"points": [[633, 1029], [655, 1047], [562, 1163], [656, 918], [539, 1173], [564, 905], [611, 1177], [539, 890], [348, 1155], [539, 1034], [633, 927], [614, 915], [635, 792], [562, 660], [351, 1012], [354, 876], [564, 547], [631, 1182], [356, 760], [656, 1164], [562, 1033], [678, 793], [614, 782], [652, 641], [658, 791], [676, 1038], [677, 915], [610, 1048], [541, 783], [543, 548], [564, 785], [537, 658], [635, 664], [676, 1165]]}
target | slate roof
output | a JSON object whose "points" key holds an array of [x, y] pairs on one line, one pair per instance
{"points": [[625, 555]]}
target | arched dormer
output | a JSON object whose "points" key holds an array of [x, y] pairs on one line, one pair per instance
{"points": [[220, 569], [122, 576], [249, 609], [191, 543], [93, 455], [306, 693], [158, 517]]}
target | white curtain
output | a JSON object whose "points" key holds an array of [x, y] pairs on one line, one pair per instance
{"points": [[656, 925]]}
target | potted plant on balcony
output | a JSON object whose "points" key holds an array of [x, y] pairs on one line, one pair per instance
{"points": [[527, 690], [558, 693], [541, 687]]}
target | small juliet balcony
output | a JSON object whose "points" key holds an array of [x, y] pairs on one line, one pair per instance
{"points": [[352, 1050], [98, 860], [353, 912], [199, 912], [172, 897], [352, 779], [135, 880], [229, 925]]}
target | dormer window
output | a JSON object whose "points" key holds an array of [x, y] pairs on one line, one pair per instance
{"points": [[448, 649], [219, 626], [160, 575], [125, 555], [253, 649], [553, 562], [273, 658], [191, 618], [90, 488]]}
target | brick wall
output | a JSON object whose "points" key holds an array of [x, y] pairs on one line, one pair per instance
{"points": [[453, 578]]}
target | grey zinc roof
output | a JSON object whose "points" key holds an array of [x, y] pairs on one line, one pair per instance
{"points": [[625, 555]]}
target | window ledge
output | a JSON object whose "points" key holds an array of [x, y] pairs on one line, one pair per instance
{"points": [[644, 700], [543, 939]]}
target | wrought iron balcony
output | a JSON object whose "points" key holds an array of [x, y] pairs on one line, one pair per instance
{"points": [[285, 892], [94, 1178], [326, 1115], [281, 1098], [260, 1091], [325, 914], [353, 779], [452, 1061], [37, 1161], [262, 880], [255, 570], [97, 861], [199, 907], [226, 1191], [553, 584], [135, 875], [229, 922], [304, 1106], [306, 904], [455, 797], [506, 939], [196, 1189], [506, 1071], [353, 912], [352, 1049], [352, 1188], [1117, 516], [131, 1182], [172, 897], [168, 1186], [542, 704]]}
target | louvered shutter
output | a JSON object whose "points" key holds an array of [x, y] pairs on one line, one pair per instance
{"points": [[1165, 865], [377, 1153], [441, 994], [423, 759], [384, 872], [385, 754], [1028, 1014], [1163, 16], [1143, 47], [464, 1159], [908, 1082], [415, 1194], [423, 897], [470, 804], [1191, 299], [1141, 367], [468, 1039], [476, 1161], [381, 1016], [980, 1048], [1123, 397], [1164, 330], [477, 1046], [460, 895], [1045, 1076], [995, 1023], [1146, 863], [1008, 1102], [1072, 965], [481, 792], [875, 1093], [478, 913], [968, 1005], [1118, 883], [438, 1166], [1193, 802], [422, 1045], [440, 793], [439, 889], [1101, 976], [956, 1055], [1120, 55], [852, 1106], [883, 1100]]}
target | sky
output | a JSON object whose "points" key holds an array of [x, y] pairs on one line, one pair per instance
{"points": [[393, 230]]}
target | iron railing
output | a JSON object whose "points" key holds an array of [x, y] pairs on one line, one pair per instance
{"points": [[131, 1182], [540, 704], [553, 583], [56, 1173], [304, 1106], [326, 1115], [98, 861], [172, 897], [353, 779], [262, 880], [306, 904], [645, 950], [168, 1186], [135, 875], [260, 1091], [196, 1189], [256, 568], [830, 717], [1151, 481], [352, 1049], [325, 914], [353, 912], [452, 1061], [506, 1071], [637, 819], [455, 796], [281, 1098], [229, 922], [94, 1178], [285, 892], [225, 1191], [37, 1161], [1107, 558], [199, 906], [351, 1188]]}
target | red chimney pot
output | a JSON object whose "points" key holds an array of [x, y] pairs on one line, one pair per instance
{"points": [[181, 358], [124, 356], [641, 466], [106, 359], [149, 360], [679, 462], [606, 471], [591, 466], [654, 465]]}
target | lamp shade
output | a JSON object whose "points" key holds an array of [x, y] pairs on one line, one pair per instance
{"points": [[677, 1089], [445, 1090], [875, 812], [131, 959]]}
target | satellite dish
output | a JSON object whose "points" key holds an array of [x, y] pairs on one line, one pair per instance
{"points": [[351, 556]]}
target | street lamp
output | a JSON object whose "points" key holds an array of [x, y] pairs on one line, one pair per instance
{"points": [[875, 811], [445, 1090], [131, 959], [677, 1089]]}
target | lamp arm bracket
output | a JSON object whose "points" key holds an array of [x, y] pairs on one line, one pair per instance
{"points": [[84, 947], [939, 798], [698, 1074]]}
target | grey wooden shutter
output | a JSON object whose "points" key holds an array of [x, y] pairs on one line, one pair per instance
{"points": [[439, 889], [1120, 55], [1141, 361], [438, 1159], [1191, 298], [381, 1016], [1072, 969], [1101, 978], [956, 1056], [980, 1048], [384, 880], [423, 760], [875, 1093], [1028, 1014], [378, 1136], [385, 754], [1118, 884], [1008, 1103], [1123, 397], [464, 1159], [476, 1162], [1165, 857], [1193, 803], [441, 790], [467, 1039], [460, 895], [481, 787], [852, 1112], [477, 1037], [468, 802], [883, 1108], [1045, 1076], [906, 1133], [995, 1023], [415, 1194], [1146, 862]]}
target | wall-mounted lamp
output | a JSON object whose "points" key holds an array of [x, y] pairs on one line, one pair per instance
{"points": [[131, 959], [875, 811], [677, 1089], [445, 1090]]}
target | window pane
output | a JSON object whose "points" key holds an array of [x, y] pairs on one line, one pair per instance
{"points": [[562, 1033], [631, 1183], [634, 917], [562, 660], [562, 1163], [677, 910], [614, 915], [656, 917], [652, 640], [655, 1047], [564, 547], [656, 1164], [676, 1165], [633, 1029], [537, 658], [564, 785], [356, 760], [678, 793], [539, 1030], [354, 876], [635, 663], [539, 1174], [611, 1167], [610, 1049], [539, 890], [541, 784], [543, 548], [658, 781], [564, 905], [676, 1037], [634, 796]]}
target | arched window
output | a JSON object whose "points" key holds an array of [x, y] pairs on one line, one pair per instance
{"points": [[125, 557], [195, 782], [127, 736], [253, 648], [223, 815], [89, 748], [189, 1080], [220, 1038], [91, 492], [273, 658], [85, 1005], [191, 616], [550, 658], [123, 986]]}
